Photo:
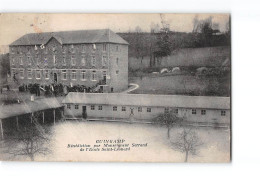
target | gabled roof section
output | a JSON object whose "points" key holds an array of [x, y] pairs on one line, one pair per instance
{"points": [[71, 37]]}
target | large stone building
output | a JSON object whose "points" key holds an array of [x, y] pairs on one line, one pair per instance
{"points": [[87, 57]]}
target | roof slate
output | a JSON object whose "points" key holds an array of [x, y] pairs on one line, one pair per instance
{"points": [[71, 37], [148, 100]]}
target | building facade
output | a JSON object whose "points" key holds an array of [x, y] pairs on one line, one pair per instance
{"points": [[90, 58], [145, 107]]}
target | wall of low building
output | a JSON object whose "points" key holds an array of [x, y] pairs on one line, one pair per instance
{"points": [[211, 116]]}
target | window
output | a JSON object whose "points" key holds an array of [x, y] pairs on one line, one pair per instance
{"points": [[92, 107], [63, 49], [117, 48], [76, 106], [94, 75], [193, 111], [12, 60], [203, 112], [38, 74], [73, 60], [83, 48], [175, 111], [114, 108], [68, 106], [72, 49], [83, 75], [117, 61], [104, 60], [104, 47], [117, 72], [139, 109], [29, 74], [54, 60], [29, 60], [99, 107], [45, 61], [21, 60], [223, 113], [94, 46], [64, 74], [38, 60], [46, 74], [73, 75], [93, 61], [83, 60], [149, 110], [54, 48], [21, 73], [123, 108], [166, 110], [64, 60]]}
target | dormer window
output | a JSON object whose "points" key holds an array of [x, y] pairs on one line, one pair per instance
{"points": [[54, 48]]}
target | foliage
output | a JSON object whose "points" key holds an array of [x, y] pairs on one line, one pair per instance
{"points": [[187, 142], [168, 119], [29, 140]]}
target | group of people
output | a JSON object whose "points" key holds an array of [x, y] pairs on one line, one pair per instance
{"points": [[56, 89]]}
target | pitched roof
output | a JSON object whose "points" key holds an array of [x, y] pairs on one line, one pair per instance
{"points": [[71, 37], [149, 100]]}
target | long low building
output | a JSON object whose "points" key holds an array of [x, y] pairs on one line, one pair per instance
{"points": [[147, 106]]}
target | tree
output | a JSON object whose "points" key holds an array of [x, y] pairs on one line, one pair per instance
{"points": [[187, 142], [168, 119], [29, 140], [163, 42]]}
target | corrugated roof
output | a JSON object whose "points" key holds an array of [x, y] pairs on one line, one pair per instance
{"points": [[71, 37], [29, 107], [149, 100]]}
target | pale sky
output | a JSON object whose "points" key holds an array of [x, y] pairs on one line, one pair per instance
{"points": [[15, 25]]}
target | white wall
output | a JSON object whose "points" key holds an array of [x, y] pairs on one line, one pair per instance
{"points": [[211, 115]]}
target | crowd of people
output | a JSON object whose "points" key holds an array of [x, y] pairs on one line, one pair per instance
{"points": [[56, 89]]}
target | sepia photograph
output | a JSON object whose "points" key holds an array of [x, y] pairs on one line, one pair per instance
{"points": [[124, 87]]}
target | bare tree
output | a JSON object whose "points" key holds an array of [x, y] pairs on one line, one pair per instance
{"points": [[29, 140], [187, 142], [168, 119]]}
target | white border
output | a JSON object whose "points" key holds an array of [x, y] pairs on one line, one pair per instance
{"points": [[245, 86]]}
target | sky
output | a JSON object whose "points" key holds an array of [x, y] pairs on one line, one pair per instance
{"points": [[15, 25]]}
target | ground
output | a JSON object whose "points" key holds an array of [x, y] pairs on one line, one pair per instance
{"points": [[215, 148], [185, 84]]}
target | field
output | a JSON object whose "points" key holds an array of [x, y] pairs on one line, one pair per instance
{"points": [[182, 85], [187, 57], [215, 147]]}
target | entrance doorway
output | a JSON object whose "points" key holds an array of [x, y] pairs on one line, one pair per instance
{"points": [[55, 78], [131, 111], [84, 112]]}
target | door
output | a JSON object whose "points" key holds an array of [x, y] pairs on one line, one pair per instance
{"points": [[84, 112], [131, 111], [55, 77], [104, 77]]}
